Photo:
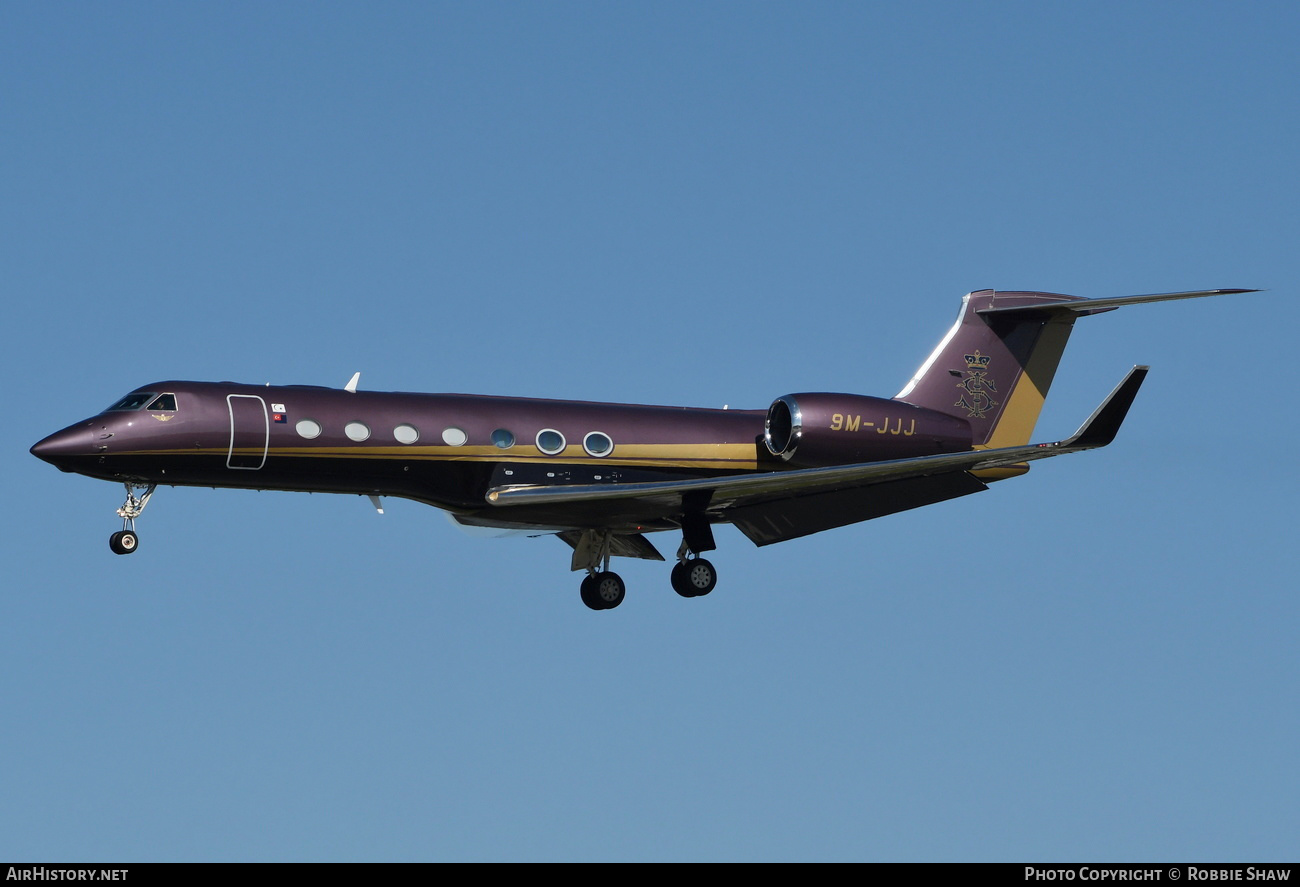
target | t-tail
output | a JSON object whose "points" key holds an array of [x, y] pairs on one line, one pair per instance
{"points": [[996, 364]]}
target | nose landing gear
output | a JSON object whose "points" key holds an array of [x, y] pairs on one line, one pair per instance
{"points": [[125, 541]]}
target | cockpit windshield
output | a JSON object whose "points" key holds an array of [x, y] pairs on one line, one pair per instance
{"points": [[133, 401], [137, 400]]}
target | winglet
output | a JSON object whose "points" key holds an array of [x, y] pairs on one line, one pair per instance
{"points": [[351, 387], [1102, 426]]}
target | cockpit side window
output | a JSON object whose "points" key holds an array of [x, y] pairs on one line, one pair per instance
{"points": [[133, 401], [164, 402]]}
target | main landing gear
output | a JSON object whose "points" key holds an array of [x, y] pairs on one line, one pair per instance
{"points": [[601, 589], [125, 541], [692, 575]]}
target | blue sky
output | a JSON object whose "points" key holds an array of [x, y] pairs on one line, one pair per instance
{"points": [[697, 204]]}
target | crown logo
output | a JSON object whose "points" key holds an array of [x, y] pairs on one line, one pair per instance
{"points": [[977, 361]]}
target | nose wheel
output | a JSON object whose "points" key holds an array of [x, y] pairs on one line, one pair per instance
{"points": [[125, 540]]}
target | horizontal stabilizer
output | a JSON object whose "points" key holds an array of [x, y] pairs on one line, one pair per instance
{"points": [[1089, 306]]}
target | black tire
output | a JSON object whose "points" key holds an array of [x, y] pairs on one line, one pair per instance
{"points": [[588, 592], [124, 542], [681, 582]]}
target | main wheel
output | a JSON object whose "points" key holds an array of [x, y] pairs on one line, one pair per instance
{"points": [[694, 578], [124, 542], [610, 590]]}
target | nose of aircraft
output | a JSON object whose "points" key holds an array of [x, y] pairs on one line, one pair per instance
{"points": [[60, 445]]}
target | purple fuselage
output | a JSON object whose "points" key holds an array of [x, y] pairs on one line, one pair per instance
{"points": [[448, 450]]}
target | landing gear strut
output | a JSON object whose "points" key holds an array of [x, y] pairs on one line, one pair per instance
{"points": [[692, 575], [125, 541]]}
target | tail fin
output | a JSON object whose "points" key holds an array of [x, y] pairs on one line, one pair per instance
{"points": [[996, 364]]}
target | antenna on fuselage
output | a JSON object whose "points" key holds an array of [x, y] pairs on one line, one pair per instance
{"points": [[352, 383]]}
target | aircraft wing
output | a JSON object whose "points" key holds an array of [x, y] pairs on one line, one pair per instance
{"points": [[777, 505]]}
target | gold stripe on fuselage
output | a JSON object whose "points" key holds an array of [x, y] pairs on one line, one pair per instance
{"points": [[725, 456]]}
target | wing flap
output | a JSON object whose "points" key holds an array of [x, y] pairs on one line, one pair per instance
{"points": [[780, 519]]}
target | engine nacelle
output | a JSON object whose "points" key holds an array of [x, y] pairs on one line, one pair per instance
{"points": [[812, 430]]}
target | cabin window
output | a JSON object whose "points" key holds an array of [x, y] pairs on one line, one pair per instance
{"points": [[164, 402], [503, 439], [597, 443], [550, 441], [406, 434], [133, 401], [357, 431], [308, 428], [454, 437]]}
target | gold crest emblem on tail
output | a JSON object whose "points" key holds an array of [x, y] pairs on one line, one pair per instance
{"points": [[977, 385]]}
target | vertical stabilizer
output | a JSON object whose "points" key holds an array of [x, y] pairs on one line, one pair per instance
{"points": [[994, 369]]}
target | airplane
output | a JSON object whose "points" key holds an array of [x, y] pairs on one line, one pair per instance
{"points": [[602, 476]]}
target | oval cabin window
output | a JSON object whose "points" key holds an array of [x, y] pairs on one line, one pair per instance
{"points": [[550, 441], [597, 443]]}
